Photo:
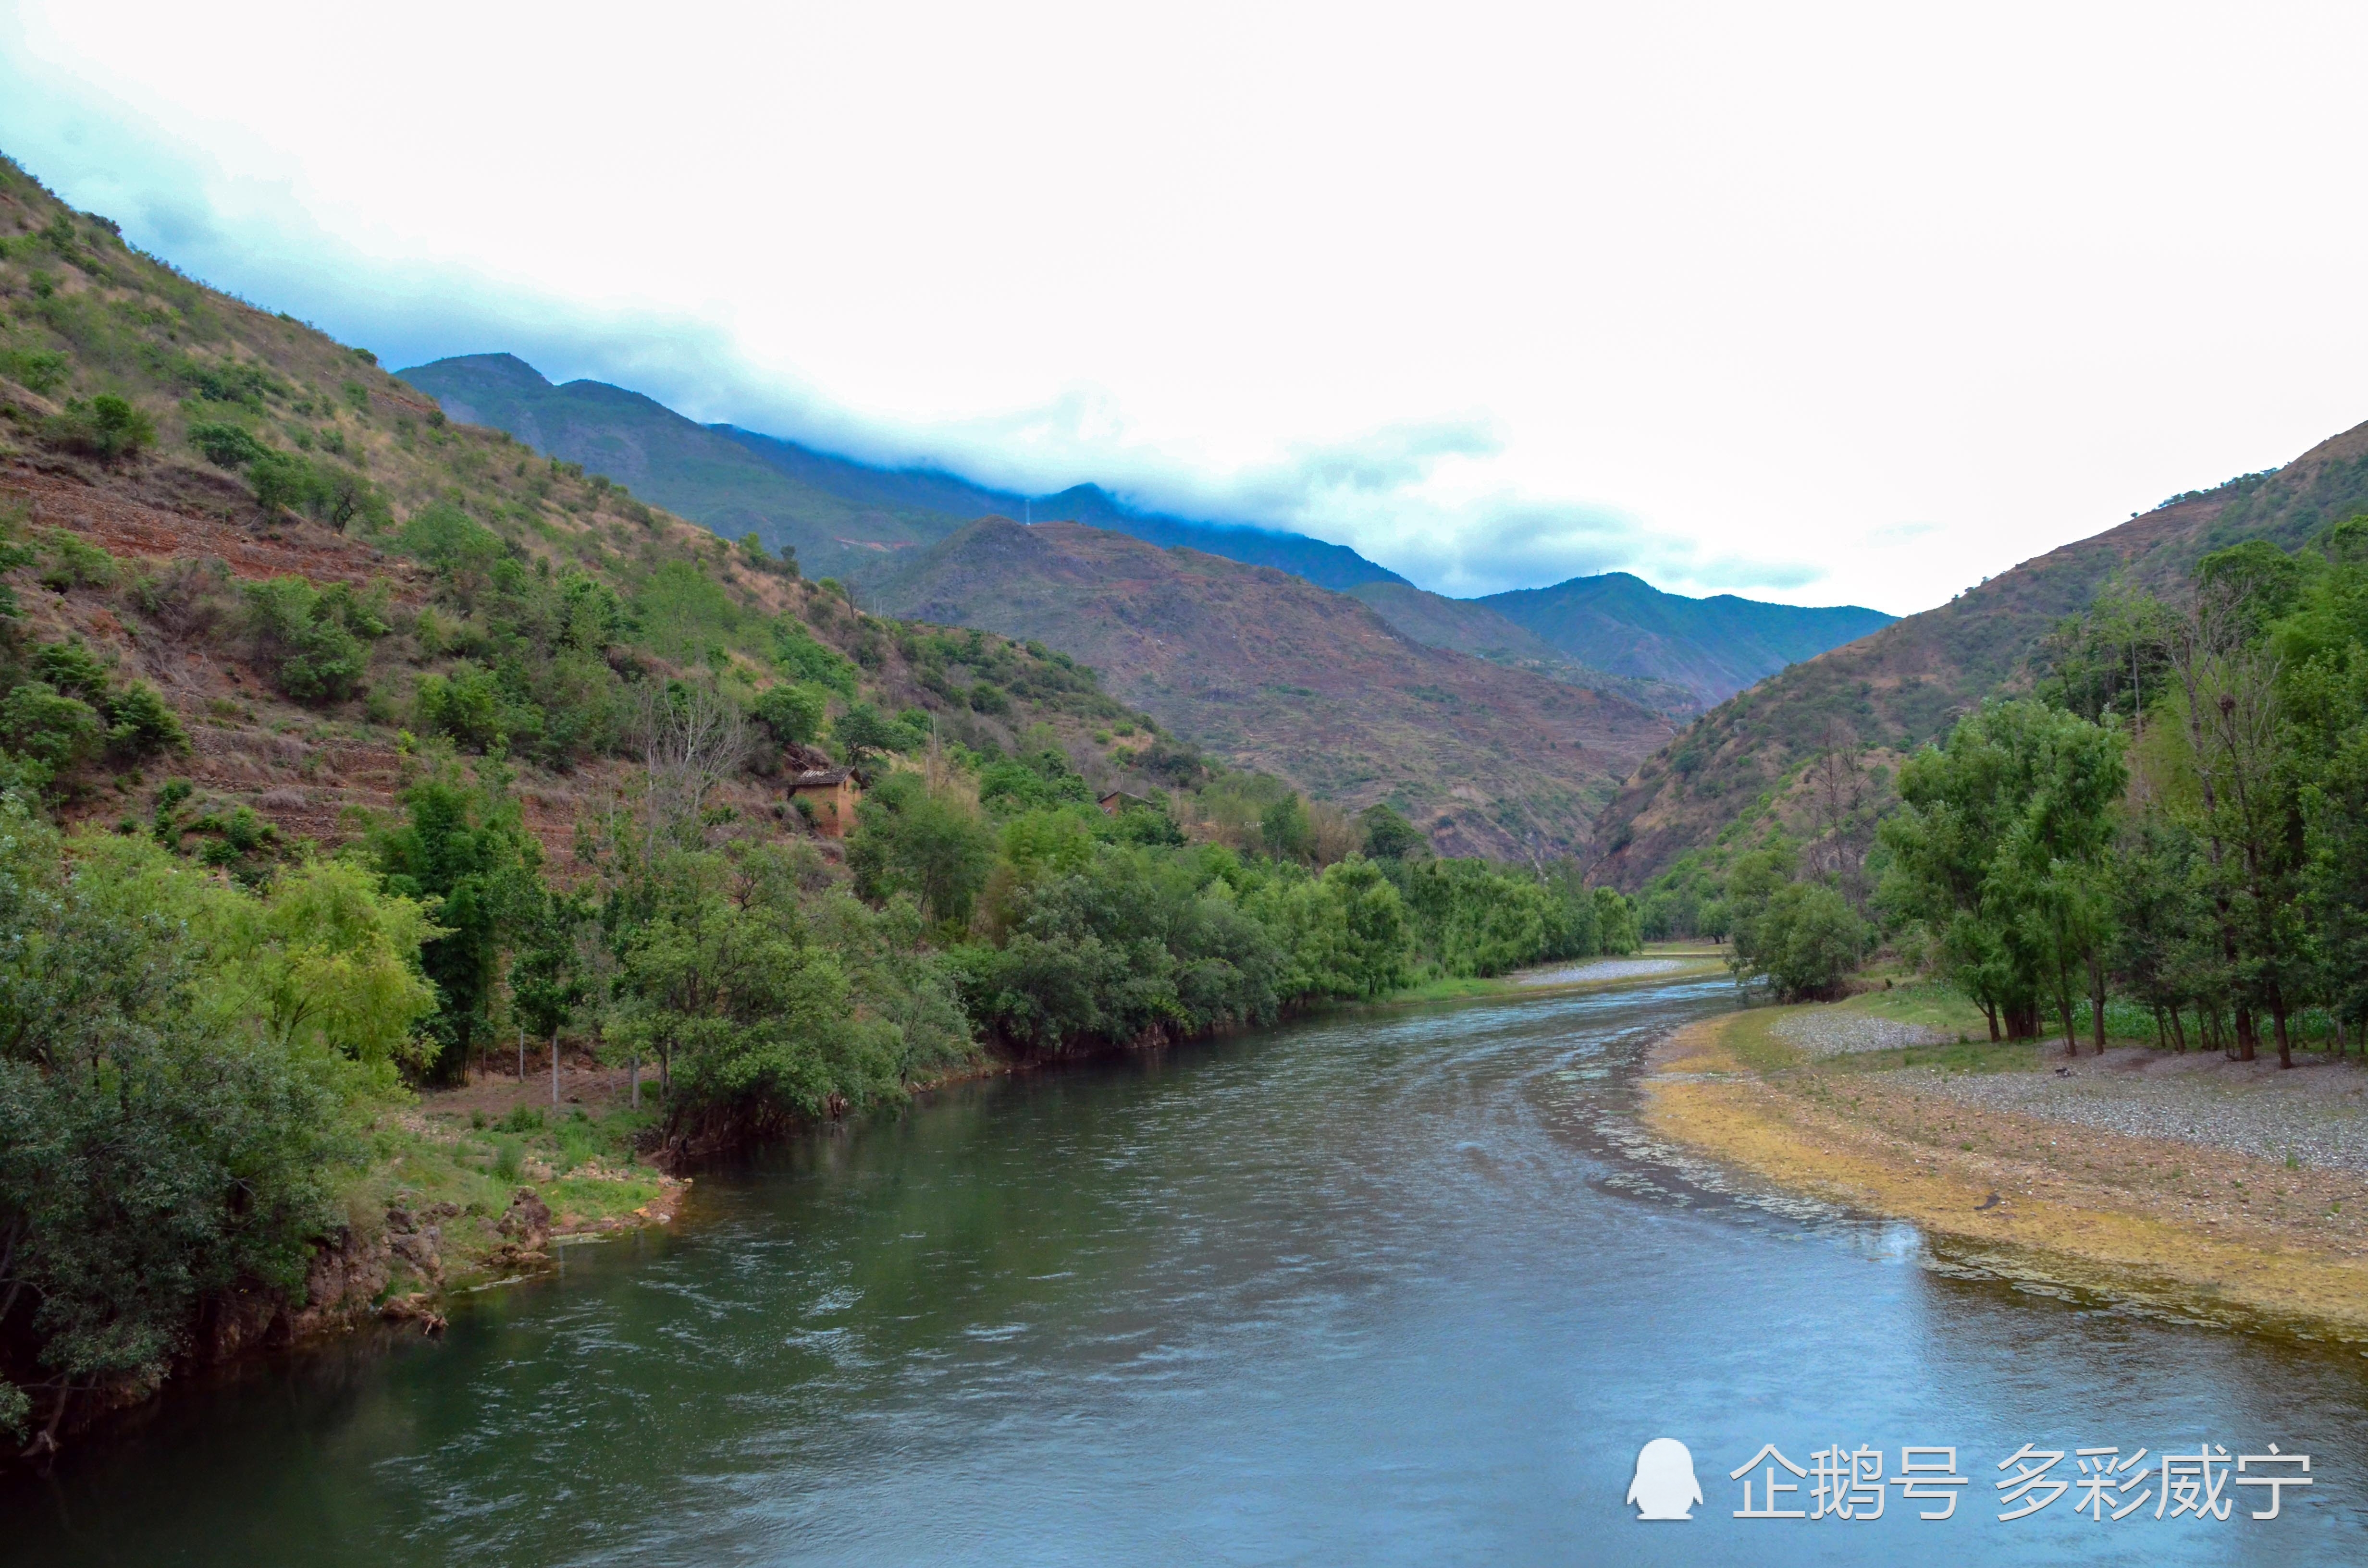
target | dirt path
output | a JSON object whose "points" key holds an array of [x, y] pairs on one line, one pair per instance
{"points": [[2115, 1186]]}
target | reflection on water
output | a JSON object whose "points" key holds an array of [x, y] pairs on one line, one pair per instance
{"points": [[1398, 1289]]}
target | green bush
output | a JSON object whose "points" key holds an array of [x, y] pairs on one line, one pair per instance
{"points": [[229, 381], [170, 1129], [106, 427], [463, 551], [225, 446], [76, 563], [313, 642], [140, 725], [1132, 942], [802, 658], [467, 706], [1807, 939], [325, 492], [1389, 836], [865, 732], [1031, 782], [927, 844], [44, 725], [41, 370]]}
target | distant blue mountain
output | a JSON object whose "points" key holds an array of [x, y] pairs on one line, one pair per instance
{"points": [[1333, 566], [864, 521]]}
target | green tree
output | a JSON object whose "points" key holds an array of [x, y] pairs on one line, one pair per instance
{"points": [[1285, 831], [925, 843], [465, 853], [791, 714], [156, 1146], [1389, 836], [1346, 932], [1807, 939], [866, 733], [1998, 848]]}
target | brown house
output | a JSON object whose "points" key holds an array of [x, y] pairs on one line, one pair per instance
{"points": [[1119, 801], [828, 795]]}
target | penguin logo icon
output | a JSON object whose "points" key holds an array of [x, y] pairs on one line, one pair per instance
{"points": [[1664, 1487]]}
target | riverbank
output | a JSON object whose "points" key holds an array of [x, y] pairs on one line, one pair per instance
{"points": [[2179, 1182], [1656, 962]]}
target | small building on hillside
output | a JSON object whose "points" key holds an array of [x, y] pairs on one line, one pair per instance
{"points": [[826, 797], [1118, 802]]}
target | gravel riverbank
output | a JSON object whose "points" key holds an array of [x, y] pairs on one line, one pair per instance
{"points": [[2203, 1187]]}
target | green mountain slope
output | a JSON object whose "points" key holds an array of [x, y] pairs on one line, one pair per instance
{"points": [[1467, 626], [273, 463], [861, 522], [1327, 566], [694, 472], [1714, 647], [844, 518], [1272, 672], [1905, 685]]}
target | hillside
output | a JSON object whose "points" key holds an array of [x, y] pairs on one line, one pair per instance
{"points": [[1902, 687], [1468, 625], [691, 470], [861, 522], [185, 541], [1277, 674], [844, 518], [1713, 647]]}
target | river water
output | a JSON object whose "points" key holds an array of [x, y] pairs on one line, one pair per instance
{"points": [[1395, 1287]]}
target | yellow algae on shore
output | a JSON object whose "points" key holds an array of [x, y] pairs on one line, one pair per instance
{"points": [[2160, 1223]]}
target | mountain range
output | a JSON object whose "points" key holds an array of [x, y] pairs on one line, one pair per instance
{"points": [[861, 522], [1268, 670]]}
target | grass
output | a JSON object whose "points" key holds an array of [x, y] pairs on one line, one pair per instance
{"points": [[1927, 1003], [581, 1167]]}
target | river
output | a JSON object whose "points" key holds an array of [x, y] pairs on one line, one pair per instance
{"points": [[1386, 1288]]}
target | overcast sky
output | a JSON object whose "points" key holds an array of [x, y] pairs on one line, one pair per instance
{"points": [[1841, 303]]}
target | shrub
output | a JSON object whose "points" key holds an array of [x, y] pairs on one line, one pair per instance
{"points": [[929, 844], [866, 731], [228, 382], [44, 725], [160, 1139], [107, 427], [225, 446], [140, 725], [466, 706], [1389, 836], [1039, 779], [1804, 938], [988, 697], [313, 641], [77, 563], [72, 668], [188, 598], [802, 658], [39, 371]]}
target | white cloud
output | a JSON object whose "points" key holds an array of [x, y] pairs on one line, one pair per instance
{"points": [[1850, 303]]}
